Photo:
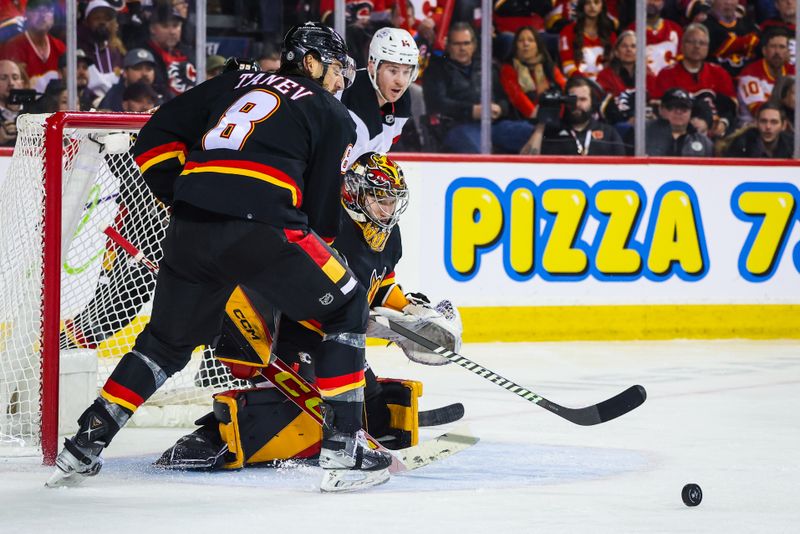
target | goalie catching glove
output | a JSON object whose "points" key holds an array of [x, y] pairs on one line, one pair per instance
{"points": [[440, 324]]}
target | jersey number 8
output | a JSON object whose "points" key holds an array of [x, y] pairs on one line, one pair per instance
{"points": [[240, 119]]}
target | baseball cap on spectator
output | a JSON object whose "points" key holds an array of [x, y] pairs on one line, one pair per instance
{"points": [[136, 56], [214, 62], [165, 13], [80, 56], [96, 4], [676, 98]]}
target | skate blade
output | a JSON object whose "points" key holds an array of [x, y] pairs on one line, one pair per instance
{"points": [[344, 480], [60, 479]]}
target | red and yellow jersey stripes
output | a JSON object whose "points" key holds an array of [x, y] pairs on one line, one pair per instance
{"points": [[121, 395], [336, 385], [168, 151], [257, 171]]}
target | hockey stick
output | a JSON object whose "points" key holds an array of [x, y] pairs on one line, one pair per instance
{"points": [[604, 411], [442, 415], [306, 397]]}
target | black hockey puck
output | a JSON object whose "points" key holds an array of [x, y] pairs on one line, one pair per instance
{"points": [[692, 495]]}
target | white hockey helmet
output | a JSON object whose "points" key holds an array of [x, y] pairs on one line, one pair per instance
{"points": [[396, 46]]}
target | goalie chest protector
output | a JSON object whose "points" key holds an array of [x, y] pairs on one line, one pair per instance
{"points": [[371, 268]]}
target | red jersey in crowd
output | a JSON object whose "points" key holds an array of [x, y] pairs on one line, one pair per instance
{"points": [[593, 53], [710, 77], [754, 86], [663, 41], [40, 69]]}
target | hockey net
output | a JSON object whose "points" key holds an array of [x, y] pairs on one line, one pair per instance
{"points": [[67, 292]]}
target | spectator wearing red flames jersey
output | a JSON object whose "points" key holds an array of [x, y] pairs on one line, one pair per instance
{"points": [[701, 79], [756, 81], [585, 45], [663, 37]]}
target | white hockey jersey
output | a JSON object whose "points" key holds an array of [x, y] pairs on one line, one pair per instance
{"points": [[377, 128], [754, 86]]}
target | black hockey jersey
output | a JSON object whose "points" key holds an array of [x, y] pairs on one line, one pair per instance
{"points": [[258, 146], [375, 271], [377, 128]]}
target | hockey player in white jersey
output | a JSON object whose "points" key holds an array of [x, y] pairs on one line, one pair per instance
{"points": [[378, 100]]}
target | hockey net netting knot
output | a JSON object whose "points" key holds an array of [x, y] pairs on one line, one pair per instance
{"points": [[105, 296]]}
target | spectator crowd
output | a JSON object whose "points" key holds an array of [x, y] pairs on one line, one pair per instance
{"points": [[719, 73]]}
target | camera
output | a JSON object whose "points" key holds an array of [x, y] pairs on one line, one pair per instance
{"points": [[22, 96], [551, 105]]}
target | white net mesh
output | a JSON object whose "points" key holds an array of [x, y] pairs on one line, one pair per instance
{"points": [[105, 294]]}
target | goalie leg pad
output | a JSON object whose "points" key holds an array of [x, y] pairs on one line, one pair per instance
{"points": [[262, 426], [245, 344], [401, 398]]}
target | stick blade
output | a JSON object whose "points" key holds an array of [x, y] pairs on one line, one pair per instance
{"points": [[628, 400], [441, 416], [435, 449]]}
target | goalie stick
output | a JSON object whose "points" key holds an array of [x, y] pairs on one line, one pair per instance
{"points": [[442, 415], [306, 397], [595, 414]]}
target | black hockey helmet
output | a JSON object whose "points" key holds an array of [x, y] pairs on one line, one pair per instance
{"points": [[319, 38]]}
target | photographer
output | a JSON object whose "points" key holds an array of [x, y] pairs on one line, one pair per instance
{"points": [[578, 132], [10, 78]]}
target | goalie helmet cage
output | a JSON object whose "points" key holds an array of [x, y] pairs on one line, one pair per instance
{"points": [[65, 290]]}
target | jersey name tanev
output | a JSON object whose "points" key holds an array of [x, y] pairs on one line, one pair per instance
{"points": [[280, 83]]}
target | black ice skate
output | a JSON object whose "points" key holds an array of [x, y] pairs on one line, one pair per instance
{"points": [[349, 463]]}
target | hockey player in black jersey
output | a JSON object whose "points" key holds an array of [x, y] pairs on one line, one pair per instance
{"points": [[379, 101], [260, 425], [248, 161]]}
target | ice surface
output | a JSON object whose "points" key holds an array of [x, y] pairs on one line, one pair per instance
{"points": [[723, 414]]}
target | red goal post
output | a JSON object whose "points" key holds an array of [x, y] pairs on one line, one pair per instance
{"points": [[51, 273]]}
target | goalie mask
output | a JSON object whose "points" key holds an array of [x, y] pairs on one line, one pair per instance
{"points": [[375, 194]]}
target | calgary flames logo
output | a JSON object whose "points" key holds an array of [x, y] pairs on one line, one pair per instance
{"points": [[375, 283]]}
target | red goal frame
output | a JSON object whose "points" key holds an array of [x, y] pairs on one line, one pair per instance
{"points": [[51, 262]]}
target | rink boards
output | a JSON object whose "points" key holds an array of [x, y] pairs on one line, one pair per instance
{"points": [[606, 248]]}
